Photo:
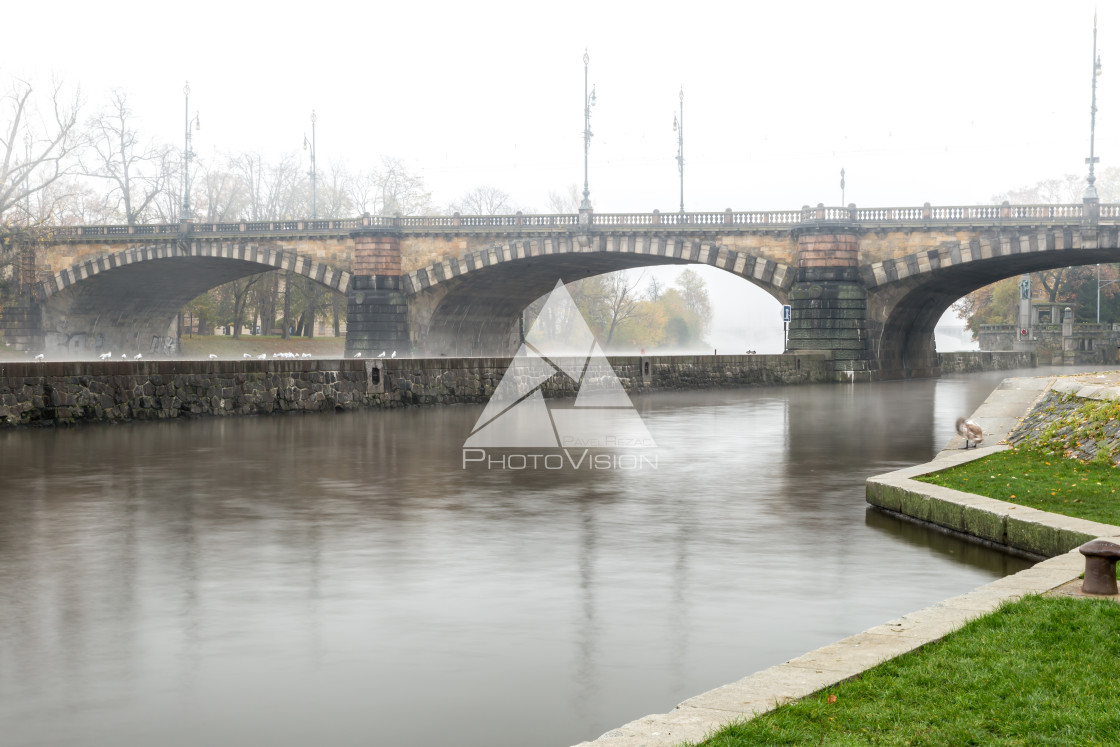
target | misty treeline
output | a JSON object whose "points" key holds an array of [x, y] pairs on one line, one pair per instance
{"points": [[1074, 286], [629, 311]]}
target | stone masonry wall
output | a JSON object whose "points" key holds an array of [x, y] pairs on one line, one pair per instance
{"points": [[972, 361], [118, 391]]}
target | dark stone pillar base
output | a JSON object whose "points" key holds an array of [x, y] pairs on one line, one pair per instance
{"points": [[829, 309], [21, 326], [377, 317]]}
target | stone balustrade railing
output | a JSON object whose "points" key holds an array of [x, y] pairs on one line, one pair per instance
{"points": [[727, 220]]}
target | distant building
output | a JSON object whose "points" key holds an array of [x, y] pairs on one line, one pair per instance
{"points": [[1055, 338]]}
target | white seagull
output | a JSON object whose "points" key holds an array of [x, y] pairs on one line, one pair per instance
{"points": [[213, 357], [969, 431], [382, 354], [262, 357], [246, 355], [394, 355], [358, 354], [137, 357], [124, 355], [39, 357], [105, 356]]}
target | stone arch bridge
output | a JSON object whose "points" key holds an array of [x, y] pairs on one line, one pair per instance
{"points": [[867, 284]]}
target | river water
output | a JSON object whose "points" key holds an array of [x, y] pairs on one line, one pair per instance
{"points": [[342, 580]]}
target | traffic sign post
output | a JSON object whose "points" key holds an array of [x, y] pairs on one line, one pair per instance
{"points": [[787, 317]]}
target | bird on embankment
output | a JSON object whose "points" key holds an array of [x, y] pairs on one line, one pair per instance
{"points": [[969, 431]]}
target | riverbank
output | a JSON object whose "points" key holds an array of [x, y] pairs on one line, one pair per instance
{"points": [[1012, 677], [1049, 537], [1020, 528]]}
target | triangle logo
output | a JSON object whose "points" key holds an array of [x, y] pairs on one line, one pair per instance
{"points": [[559, 343]]}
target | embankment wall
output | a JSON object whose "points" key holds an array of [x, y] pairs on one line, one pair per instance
{"points": [[973, 361], [51, 393]]}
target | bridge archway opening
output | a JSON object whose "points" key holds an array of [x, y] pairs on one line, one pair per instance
{"points": [[903, 315], [479, 312], [132, 307]]}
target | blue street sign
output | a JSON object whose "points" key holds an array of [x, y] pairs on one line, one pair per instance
{"points": [[787, 313]]}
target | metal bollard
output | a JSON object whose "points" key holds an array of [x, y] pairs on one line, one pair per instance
{"points": [[1100, 566]]}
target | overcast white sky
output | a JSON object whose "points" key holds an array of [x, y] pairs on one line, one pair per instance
{"points": [[945, 102]]}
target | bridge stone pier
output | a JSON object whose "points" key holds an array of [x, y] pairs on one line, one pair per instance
{"points": [[828, 301], [868, 285], [376, 309]]}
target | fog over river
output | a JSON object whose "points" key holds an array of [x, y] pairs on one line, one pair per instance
{"points": [[342, 580]]}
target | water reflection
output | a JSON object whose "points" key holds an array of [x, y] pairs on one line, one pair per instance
{"points": [[342, 580]]}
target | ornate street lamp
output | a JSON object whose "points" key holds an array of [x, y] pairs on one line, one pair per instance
{"points": [[679, 129], [588, 102], [188, 154], [311, 146], [1091, 191]]}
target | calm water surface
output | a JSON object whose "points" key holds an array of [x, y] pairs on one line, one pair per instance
{"points": [[341, 580]]}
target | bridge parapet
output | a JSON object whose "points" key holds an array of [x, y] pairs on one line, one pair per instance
{"points": [[925, 216]]}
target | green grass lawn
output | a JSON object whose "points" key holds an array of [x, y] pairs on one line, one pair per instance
{"points": [[1041, 671], [1041, 480], [224, 346]]}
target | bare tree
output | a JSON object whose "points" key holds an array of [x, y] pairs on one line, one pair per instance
{"points": [[400, 191], [564, 202], [622, 299], [483, 200], [272, 190], [36, 151], [135, 170], [240, 289], [388, 190], [223, 194], [334, 192]]}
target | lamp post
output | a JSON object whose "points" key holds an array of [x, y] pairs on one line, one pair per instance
{"points": [[185, 215], [312, 174], [842, 188], [1091, 191], [588, 102], [679, 129]]}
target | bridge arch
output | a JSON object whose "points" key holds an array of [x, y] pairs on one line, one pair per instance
{"points": [[471, 305], [907, 296], [128, 301]]}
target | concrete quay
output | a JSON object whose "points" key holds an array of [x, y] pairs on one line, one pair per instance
{"points": [[1025, 530]]}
